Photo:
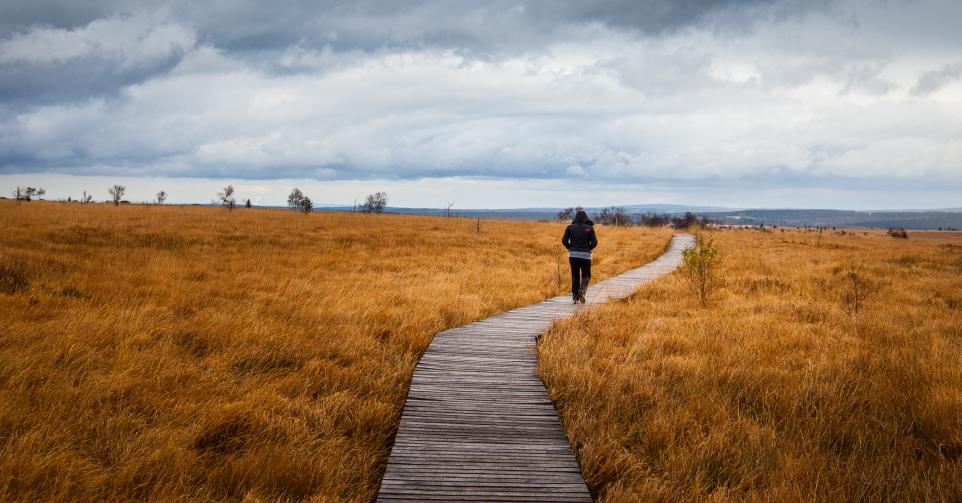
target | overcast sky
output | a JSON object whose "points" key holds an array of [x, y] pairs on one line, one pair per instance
{"points": [[754, 103]]}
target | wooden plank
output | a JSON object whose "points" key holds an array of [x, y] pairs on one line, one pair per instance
{"points": [[468, 493], [506, 478], [478, 424]]}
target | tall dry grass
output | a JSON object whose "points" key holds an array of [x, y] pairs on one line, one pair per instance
{"points": [[777, 390], [189, 354]]}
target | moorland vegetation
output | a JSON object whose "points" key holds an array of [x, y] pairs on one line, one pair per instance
{"points": [[818, 366], [175, 353]]}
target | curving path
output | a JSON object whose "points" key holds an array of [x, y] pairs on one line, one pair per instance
{"points": [[478, 424]]}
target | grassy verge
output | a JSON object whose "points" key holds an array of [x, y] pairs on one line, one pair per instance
{"points": [[190, 354], [777, 390]]}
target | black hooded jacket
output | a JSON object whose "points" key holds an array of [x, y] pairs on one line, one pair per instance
{"points": [[580, 237]]}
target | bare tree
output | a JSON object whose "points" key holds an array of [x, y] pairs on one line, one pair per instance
{"points": [[18, 194], [447, 211], [87, 198], [307, 206], [603, 217], [41, 192], [117, 193], [619, 217], [652, 219], [295, 198], [247, 204], [375, 202], [226, 198], [688, 220], [566, 214], [161, 197], [612, 216]]}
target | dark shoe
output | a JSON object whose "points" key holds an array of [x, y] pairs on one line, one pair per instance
{"points": [[582, 298]]}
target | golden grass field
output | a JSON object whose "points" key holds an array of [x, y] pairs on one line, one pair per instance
{"points": [[775, 391], [191, 354]]}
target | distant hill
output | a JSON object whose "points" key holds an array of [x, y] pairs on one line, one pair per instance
{"points": [[842, 218], [673, 208], [909, 219], [543, 213]]}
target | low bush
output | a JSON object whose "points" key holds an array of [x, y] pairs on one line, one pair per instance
{"points": [[700, 264], [898, 233]]}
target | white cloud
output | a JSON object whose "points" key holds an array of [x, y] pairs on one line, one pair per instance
{"points": [[423, 112], [129, 40]]}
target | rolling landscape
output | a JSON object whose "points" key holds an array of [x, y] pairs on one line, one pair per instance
{"points": [[941, 219], [199, 354]]}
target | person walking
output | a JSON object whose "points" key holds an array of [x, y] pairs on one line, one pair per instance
{"points": [[579, 239]]}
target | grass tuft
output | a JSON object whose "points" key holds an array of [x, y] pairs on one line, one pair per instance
{"points": [[12, 277]]}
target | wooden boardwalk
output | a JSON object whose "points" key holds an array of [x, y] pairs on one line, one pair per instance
{"points": [[478, 424]]}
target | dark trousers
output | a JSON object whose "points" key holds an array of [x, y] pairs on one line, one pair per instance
{"points": [[580, 274]]}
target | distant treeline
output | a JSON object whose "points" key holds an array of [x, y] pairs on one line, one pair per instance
{"points": [[615, 215], [945, 220]]}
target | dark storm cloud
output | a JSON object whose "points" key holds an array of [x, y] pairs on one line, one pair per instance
{"points": [[610, 90], [370, 24], [42, 63], [482, 26], [22, 14], [258, 31], [23, 85]]}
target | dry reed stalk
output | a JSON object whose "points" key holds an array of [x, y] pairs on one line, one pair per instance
{"points": [[773, 393], [173, 353]]}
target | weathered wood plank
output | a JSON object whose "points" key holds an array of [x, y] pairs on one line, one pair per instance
{"points": [[478, 424]]}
